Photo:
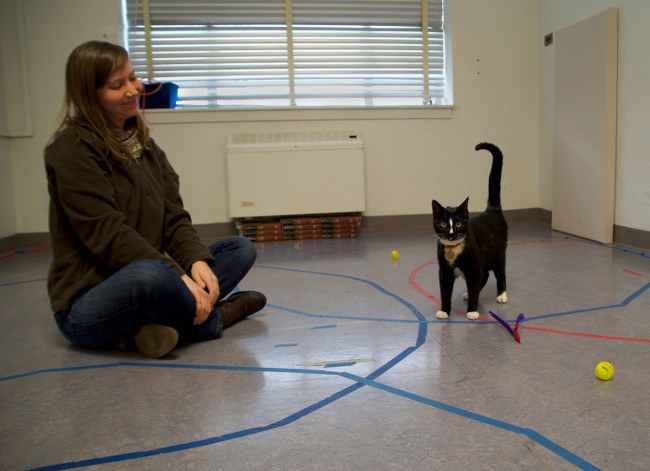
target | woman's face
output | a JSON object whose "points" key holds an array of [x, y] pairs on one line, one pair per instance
{"points": [[118, 97]]}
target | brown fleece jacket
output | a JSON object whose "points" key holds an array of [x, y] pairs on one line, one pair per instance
{"points": [[104, 216]]}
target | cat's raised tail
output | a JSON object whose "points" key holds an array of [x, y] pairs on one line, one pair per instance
{"points": [[494, 185]]}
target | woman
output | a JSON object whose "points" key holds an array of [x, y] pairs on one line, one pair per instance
{"points": [[128, 267]]}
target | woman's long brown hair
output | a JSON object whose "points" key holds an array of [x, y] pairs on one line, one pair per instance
{"points": [[88, 68]]}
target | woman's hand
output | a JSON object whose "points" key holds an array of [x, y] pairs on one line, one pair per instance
{"points": [[202, 299], [203, 276], [204, 286]]}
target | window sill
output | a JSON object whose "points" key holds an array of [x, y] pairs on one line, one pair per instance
{"points": [[171, 116]]}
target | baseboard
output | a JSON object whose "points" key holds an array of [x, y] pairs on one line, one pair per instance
{"points": [[413, 222], [622, 235], [545, 216], [31, 240], [419, 222], [632, 237], [23, 241]]}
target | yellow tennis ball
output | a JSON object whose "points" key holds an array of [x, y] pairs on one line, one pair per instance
{"points": [[394, 254], [604, 371]]}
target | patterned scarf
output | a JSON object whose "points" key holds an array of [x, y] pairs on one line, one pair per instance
{"points": [[131, 144], [128, 139]]}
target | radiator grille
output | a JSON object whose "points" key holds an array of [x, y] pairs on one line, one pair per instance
{"points": [[336, 137], [294, 173]]}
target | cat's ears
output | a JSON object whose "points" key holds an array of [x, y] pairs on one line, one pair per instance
{"points": [[439, 210], [463, 208]]}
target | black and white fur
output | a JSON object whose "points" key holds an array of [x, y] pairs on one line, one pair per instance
{"points": [[471, 248]]}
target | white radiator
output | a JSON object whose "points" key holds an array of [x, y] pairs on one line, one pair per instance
{"points": [[293, 173]]}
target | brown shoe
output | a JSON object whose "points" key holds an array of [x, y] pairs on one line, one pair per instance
{"points": [[156, 340], [240, 305]]}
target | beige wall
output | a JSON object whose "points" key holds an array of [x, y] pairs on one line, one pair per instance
{"points": [[409, 158], [633, 161]]}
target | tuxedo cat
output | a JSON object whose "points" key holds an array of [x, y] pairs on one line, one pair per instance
{"points": [[472, 247]]}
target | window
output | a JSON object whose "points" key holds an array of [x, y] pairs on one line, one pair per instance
{"points": [[293, 53]]}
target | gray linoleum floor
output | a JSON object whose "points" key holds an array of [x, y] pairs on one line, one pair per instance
{"points": [[348, 369]]}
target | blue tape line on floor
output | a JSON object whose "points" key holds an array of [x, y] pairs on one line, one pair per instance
{"points": [[339, 365], [623, 303], [347, 318], [422, 320], [358, 383], [2, 285], [331, 326]]}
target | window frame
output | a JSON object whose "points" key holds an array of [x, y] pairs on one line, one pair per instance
{"points": [[445, 100]]}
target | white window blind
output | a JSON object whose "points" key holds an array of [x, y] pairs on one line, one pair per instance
{"points": [[287, 53]]}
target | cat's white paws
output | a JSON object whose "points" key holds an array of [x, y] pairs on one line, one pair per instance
{"points": [[442, 315], [502, 298], [472, 316]]}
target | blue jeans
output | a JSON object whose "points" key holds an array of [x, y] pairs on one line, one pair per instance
{"points": [[150, 292]]}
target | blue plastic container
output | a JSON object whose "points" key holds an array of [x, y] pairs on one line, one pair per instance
{"points": [[159, 95]]}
